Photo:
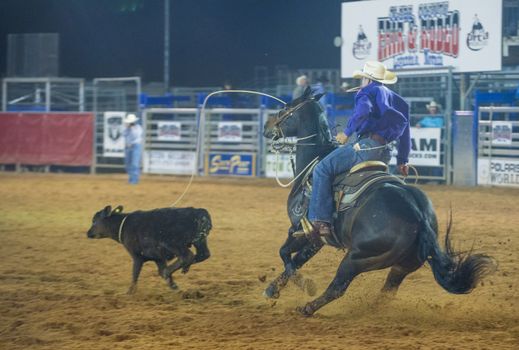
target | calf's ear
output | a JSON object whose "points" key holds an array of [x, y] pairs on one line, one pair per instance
{"points": [[118, 210], [107, 210]]}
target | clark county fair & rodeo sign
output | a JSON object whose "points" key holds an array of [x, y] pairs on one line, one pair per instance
{"points": [[465, 35]]}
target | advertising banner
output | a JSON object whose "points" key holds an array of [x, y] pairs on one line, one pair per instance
{"points": [[283, 165], [498, 172], [47, 138], [235, 164], [229, 131], [169, 162], [169, 131], [113, 139], [410, 34], [501, 133], [425, 147]]}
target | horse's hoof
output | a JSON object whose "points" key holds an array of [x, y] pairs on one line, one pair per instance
{"points": [[309, 287], [132, 289], [305, 310], [270, 293]]}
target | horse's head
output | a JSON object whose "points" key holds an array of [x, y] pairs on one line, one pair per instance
{"points": [[301, 117]]}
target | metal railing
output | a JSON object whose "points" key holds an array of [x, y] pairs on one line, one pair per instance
{"points": [[498, 146]]}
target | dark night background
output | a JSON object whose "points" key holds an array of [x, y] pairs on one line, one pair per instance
{"points": [[211, 40]]}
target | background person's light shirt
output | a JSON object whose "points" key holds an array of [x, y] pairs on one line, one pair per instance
{"points": [[133, 135]]}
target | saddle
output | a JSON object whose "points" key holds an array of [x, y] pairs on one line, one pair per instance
{"points": [[349, 187]]}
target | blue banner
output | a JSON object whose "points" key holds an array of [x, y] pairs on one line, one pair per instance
{"points": [[235, 164]]}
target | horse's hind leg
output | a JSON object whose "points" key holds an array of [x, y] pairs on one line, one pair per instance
{"points": [[346, 272], [398, 273]]}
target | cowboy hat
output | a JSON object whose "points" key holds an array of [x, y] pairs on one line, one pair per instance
{"points": [[130, 119], [301, 80], [376, 71], [433, 104]]}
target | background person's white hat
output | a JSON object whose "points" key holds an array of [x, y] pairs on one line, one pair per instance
{"points": [[432, 104], [130, 119], [374, 70], [301, 79]]}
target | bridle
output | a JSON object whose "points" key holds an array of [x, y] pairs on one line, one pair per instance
{"points": [[277, 131], [277, 146]]}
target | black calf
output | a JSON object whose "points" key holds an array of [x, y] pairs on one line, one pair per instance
{"points": [[158, 235]]}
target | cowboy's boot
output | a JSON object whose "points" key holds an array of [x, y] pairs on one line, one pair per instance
{"points": [[320, 229]]}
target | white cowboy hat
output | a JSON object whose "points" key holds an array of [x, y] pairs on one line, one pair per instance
{"points": [[301, 79], [431, 105], [374, 70], [130, 119]]}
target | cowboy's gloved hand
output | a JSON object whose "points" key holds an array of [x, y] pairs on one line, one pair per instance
{"points": [[404, 169], [341, 138]]}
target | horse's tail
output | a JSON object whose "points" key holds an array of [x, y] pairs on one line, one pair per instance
{"points": [[456, 272]]}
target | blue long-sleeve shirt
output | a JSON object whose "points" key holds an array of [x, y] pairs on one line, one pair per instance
{"points": [[381, 111]]}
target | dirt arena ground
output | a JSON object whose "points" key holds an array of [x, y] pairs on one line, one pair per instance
{"points": [[60, 290]]}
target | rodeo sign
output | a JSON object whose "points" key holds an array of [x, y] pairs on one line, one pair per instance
{"points": [[425, 147], [410, 34], [113, 139], [234, 164], [498, 172]]}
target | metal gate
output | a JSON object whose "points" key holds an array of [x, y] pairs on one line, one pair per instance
{"points": [[498, 146], [232, 141], [431, 150], [171, 140], [113, 98]]}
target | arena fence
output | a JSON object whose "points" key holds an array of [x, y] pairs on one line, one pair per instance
{"points": [[498, 146], [232, 141], [431, 142], [43, 94], [113, 98], [171, 140], [40, 140]]}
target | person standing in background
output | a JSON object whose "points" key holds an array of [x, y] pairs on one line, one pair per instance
{"points": [[320, 88], [301, 85], [434, 119], [133, 148]]}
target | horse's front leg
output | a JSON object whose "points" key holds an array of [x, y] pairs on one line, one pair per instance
{"points": [[305, 250]]}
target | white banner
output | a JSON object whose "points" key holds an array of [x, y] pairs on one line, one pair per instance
{"points": [[169, 162], [425, 147], [113, 139], [169, 131], [284, 167], [501, 133], [498, 172], [229, 131], [408, 34]]}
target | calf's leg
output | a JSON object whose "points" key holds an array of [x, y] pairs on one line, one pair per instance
{"points": [[202, 251], [137, 266], [184, 261], [162, 265]]}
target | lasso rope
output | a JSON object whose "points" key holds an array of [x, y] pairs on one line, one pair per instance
{"points": [[198, 143], [314, 161]]}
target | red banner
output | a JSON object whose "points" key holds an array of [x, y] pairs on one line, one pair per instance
{"points": [[46, 138]]}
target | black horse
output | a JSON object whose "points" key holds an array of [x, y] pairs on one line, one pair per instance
{"points": [[394, 225]]}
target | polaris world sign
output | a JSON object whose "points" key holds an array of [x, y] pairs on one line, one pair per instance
{"points": [[410, 34]]}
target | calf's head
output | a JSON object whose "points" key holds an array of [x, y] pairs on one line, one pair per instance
{"points": [[101, 223]]}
